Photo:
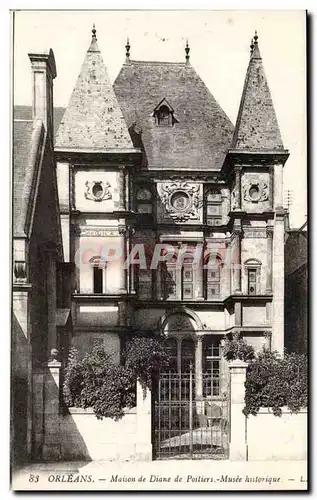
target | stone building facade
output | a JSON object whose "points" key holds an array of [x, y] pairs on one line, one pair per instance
{"points": [[41, 319], [140, 209], [152, 164]]}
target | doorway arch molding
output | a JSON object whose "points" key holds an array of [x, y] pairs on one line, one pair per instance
{"points": [[181, 311]]}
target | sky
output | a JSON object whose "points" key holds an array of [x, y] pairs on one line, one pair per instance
{"points": [[219, 51]]}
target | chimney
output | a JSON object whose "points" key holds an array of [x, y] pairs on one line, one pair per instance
{"points": [[44, 72]]}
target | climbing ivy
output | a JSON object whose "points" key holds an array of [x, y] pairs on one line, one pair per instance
{"points": [[94, 381]]}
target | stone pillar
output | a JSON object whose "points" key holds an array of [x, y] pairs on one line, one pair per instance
{"points": [[50, 254], [199, 366], [122, 243], [271, 187], [52, 424], [238, 445], [21, 352], [198, 271], [278, 284], [278, 186], [238, 172], [236, 263], [121, 189], [269, 233], [143, 438]]}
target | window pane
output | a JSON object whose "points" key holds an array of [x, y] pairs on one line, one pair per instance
{"points": [[145, 275], [144, 208], [213, 275], [145, 290], [144, 195], [213, 209], [187, 291], [213, 291], [252, 275], [211, 363], [214, 196], [187, 354], [97, 280], [187, 274]]}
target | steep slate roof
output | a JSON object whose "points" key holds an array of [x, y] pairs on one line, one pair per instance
{"points": [[256, 127], [27, 137], [93, 119], [203, 133], [21, 112]]}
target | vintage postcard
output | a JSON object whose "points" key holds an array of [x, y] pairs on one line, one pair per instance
{"points": [[159, 250]]}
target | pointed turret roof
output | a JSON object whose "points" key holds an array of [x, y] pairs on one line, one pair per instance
{"points": [[256, 127], [93, 119]]}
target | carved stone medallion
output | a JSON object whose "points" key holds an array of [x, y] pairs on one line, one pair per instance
{"points": [[98, 191], [181, 200], [255, 191]]}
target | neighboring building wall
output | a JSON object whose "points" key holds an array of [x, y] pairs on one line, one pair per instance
{"points": [[296, 291]]}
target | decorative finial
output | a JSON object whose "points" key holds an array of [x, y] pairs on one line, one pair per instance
{"points": [[255, 38], [252, 46], [187, 49], [127, 48], [94, 38]]}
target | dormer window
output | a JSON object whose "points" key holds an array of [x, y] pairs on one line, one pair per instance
{"points": [[164, 114]]}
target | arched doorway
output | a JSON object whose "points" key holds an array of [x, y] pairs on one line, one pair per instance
{"points": [[191, 413]]}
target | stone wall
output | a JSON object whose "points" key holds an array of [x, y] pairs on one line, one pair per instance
{"points": [[264, 436], [277, 438], [76, 434]]}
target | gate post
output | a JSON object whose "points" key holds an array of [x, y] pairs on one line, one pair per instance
{"points": [[238, 445], [144, 424], [52, 430]]}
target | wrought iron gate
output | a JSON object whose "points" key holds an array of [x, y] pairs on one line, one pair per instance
{"points": [[188, 424]]}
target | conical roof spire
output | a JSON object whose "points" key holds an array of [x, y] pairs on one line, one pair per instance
{"points": [[256, 127], [187, 50], [93, 119], [127, 49], [93, 46]]}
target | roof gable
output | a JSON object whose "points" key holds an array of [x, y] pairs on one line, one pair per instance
{"points": [[93, 119], [256, 127]]}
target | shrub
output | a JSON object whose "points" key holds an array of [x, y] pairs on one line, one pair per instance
{"points": [[93, 381], [146, 357], [273, 382], [238, 348]]}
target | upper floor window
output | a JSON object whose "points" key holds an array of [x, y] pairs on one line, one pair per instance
{"points": [[252, 281], [253, 276], [99, 274], [187, 279], [214, 207], [178, 280], [213, 277], [144, 284], [144, 200]]}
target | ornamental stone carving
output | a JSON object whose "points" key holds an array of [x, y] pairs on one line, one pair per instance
{"points": [[255, 191], [181, 200], [20, 271], [98, 191]]}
